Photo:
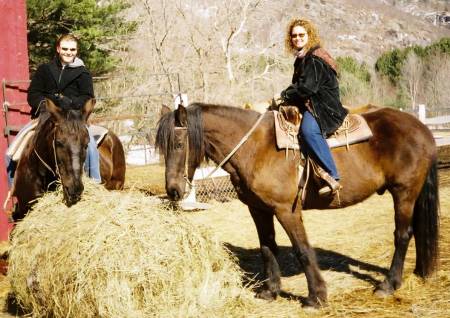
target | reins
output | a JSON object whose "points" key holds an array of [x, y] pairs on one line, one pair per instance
{"points": [[244, 139], [57, 174], [241, 142]]}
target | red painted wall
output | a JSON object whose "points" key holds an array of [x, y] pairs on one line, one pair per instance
{"points": [[13, 73]]}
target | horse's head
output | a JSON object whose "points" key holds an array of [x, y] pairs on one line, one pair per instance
{"points": [[181, 143], [69, 143]]}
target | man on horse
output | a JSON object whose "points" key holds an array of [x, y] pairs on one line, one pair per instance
{"points": [[66, 81], [315, 91]]}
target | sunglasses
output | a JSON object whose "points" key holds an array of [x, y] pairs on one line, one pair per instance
{"points": [[67, 49], [300, 35]]}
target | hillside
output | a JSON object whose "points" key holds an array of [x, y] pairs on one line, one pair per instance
{"points": [[212, 46]]}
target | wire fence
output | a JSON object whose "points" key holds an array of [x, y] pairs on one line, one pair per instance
{"points": [[215, 188], [136, 125]]}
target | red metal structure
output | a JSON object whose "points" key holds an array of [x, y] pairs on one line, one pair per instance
{"points": [[14, 77]]}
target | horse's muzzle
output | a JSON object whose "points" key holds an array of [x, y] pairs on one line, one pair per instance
{"points": [[72, 195], [174, 193]]}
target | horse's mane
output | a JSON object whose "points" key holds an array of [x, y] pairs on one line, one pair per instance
{"points": [[165, 135]]}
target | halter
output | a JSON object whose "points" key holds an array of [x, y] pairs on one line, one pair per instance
{"points": [[186, 164]]}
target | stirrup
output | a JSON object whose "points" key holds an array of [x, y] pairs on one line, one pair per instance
{"points": [[332, 184], [327, 190]]}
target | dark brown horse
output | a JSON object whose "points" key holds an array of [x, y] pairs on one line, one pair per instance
{"points": [[399, 158], [58, 151]]}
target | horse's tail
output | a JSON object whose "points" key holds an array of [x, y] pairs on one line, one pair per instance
{"points": [[426, 225]]}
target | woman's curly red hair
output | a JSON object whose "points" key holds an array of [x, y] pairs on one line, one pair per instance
{"points": [[313, 35]]}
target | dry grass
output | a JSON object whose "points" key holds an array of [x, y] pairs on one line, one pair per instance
{"points": [[354, 248], [148, 179], [120, 256]]}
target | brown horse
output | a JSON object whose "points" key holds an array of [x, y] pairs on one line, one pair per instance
{"points": [[58, 151], [399, 158]]}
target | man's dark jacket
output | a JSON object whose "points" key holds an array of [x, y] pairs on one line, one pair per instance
{"points": [[73, 81], [316, 80]]}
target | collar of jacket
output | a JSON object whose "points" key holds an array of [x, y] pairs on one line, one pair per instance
{"points": [[323, 54], [64, 77]]}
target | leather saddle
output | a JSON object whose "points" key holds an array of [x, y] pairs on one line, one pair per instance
{"points": [[354, 129]]}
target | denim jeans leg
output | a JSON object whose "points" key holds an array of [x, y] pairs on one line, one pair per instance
{"points": [[92, 163], [316, 144], [10, 170]]}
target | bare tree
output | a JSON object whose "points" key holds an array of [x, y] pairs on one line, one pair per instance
{"points": [[412, 72], [437, 81]]}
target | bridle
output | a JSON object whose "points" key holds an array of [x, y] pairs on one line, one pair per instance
{"points": [[186, 163]]}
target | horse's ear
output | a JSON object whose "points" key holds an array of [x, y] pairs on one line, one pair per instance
{"points": [[53, 110], [181, 116], [164, 110], [88, 108]]}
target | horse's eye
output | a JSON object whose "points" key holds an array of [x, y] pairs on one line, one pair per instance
{"points": [[58, 143]]}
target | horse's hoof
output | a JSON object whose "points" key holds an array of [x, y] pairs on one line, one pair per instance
{"points": [[312, 305], [383, 290], [266, 295]]}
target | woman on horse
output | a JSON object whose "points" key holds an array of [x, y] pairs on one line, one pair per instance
{"points": [[315, 91], [66, 81]]}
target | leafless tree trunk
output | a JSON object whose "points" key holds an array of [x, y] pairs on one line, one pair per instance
{"points": [[412, 72], [437, 81]]}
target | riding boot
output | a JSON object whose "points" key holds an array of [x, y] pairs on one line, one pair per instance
{"points": [[332, 184]]}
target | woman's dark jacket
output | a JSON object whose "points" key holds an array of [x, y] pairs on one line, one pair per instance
{"points": [[315, 80], [50, 80]]}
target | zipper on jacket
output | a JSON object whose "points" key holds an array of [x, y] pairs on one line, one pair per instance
{"points": [[60, 74]]}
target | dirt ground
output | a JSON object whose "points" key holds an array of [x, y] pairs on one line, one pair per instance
{"points": [[354, 248]]}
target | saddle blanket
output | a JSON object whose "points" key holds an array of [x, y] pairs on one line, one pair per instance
{"points": [[354, 129], [17, 147]]}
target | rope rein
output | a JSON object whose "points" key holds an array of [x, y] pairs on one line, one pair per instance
{"points": [[189, 184], [57, 174], [244, 139]]}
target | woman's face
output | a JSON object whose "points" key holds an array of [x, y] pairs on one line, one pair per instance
{"points": [[67, 51], [299, 37]]}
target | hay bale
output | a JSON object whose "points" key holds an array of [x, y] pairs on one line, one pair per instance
{"points": [[117, 254]]}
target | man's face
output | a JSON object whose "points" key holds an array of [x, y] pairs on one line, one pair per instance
{"points": [[67, 51]]}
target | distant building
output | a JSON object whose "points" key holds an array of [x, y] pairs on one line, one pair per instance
{"points": [[439, 18]]}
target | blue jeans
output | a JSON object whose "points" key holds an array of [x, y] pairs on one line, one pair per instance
{"points": [[315, 145], [92, 163], [10, 170]]}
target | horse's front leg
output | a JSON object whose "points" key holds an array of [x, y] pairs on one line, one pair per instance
{"points": [[266, 234], [292, 223]]}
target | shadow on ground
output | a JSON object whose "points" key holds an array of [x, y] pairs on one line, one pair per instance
{"points": [[250, 262]]}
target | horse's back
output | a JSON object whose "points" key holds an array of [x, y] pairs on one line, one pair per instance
{"points": [[403, 146], [393, 127], [397, 156], [112, 162]]}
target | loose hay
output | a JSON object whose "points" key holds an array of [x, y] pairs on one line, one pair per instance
{"points": [[120, 255]]}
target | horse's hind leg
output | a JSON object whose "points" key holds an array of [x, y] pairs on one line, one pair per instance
{"points": [[293, 225], [266, 234], [403, 205]]}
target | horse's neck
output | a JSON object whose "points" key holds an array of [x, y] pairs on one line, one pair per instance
{"points": [[226, 131]]}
